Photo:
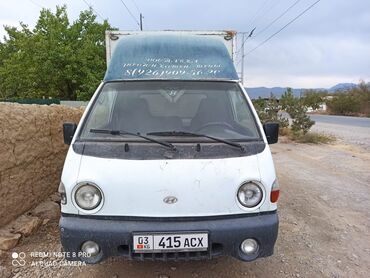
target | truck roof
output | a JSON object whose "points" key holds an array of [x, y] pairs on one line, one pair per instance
{"points": [[170, 56]]}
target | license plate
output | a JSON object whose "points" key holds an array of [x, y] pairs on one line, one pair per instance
{"points": [[170, 242]]}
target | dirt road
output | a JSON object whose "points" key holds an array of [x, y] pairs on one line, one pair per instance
{"points": [[324, 226]]}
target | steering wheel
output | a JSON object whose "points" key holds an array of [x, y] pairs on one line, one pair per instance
{"points": [[216, 124]]}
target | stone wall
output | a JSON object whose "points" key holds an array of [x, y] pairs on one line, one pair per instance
{"points": [[32, 154]]}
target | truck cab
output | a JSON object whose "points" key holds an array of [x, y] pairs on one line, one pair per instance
{"points": [[169, 160]]}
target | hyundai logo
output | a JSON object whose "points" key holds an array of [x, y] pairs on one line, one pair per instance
{"points": [[170, 200]]}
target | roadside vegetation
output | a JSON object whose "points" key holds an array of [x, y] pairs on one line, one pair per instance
{"points": [[291, 113], [56, 59], [351, 102], [354, 101]]}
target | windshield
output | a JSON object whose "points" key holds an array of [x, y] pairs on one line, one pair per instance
{"points": [[217, 109]]}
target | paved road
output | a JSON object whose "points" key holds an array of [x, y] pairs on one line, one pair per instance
{"points": [[342, 120], [347, 130]]}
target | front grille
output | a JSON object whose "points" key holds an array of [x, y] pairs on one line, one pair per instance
{"points": [[213, 251]]}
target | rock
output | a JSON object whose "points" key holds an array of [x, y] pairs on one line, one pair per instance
{"points": [[25, 225], [8, 240], [55, 197], [47, 210], [5, 272], [173, 268]]}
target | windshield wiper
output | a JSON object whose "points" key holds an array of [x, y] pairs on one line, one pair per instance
{"points": [[123, 132], [186, 133]]}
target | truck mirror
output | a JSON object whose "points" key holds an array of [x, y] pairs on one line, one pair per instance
{"points": [[272, 132], [68, 132]]}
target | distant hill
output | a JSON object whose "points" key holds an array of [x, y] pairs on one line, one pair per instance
{"points": [[265, 92], [342, 86]]}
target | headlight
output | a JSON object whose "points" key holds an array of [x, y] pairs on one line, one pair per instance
{"points": [[250, 194], [88, 196]]}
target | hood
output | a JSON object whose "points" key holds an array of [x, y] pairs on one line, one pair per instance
{"points": [[139, 187]]}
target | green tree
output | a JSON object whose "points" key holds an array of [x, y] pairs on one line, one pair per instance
{"points": [[353, 101], [296, 109], [268, 111], [344, 104], [55, 59], [313, 98]]}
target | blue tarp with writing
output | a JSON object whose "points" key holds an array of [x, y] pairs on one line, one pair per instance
{"points": [[187, 57]]}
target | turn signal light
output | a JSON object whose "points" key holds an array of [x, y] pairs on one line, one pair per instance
{"points": [[275, 191], [274, 196]]}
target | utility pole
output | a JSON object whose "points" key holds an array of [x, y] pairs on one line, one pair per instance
{"points": [[242, 69], [243, 55], [141, 22]]}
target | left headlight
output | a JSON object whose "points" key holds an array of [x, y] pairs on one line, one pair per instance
{"points": [[250, 194], [88, 196]]}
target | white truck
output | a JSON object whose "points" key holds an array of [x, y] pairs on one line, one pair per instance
{"points": [[169, 160]]}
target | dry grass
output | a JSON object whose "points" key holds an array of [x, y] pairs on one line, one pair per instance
{"points": [[310, 137]]}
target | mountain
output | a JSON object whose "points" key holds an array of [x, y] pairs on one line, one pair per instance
{"points": [[265, 92], [342, 86]]}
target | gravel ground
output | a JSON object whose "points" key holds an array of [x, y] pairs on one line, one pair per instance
{"points": [[347, 134], [324, 226]]}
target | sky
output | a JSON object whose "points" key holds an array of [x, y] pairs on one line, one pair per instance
{"points": [[329, 44]]}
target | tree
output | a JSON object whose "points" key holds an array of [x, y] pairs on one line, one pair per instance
{"points": [[268, 111], [55, 59], [297, 111], [313, 98], [353, 101]]}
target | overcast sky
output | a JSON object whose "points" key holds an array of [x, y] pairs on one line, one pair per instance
{"points": [[329, 44]]}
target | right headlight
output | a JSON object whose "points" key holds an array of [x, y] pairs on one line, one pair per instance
{"points": [[250, 194], [88, 196]]}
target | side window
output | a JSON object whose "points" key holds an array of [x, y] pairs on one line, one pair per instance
{"points": [[242, 112], [101, 115]]}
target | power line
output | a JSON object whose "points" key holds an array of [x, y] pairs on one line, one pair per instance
{"points": [[244, 40], [136, 6], [254, 18], [242, 46], [266, 11], [37, 4], [275, 3], [281, 29], [257, 13], [91, 7], [277, 18], [133, 17]]}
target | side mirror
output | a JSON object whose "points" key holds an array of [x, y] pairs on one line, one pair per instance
{"points": [[272, 132], [68, 132]]}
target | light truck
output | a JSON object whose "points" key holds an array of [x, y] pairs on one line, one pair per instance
{"points": [[169, 160]]}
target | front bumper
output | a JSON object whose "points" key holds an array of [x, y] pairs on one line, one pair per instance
{"points": [[114, 235]]}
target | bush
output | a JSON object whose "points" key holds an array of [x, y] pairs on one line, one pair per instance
{"points": [[297, 111], [354, 101], [313, 98], [268, 111], [344, 104]]}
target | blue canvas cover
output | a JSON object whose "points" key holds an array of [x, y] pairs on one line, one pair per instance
{"points": [[169, 56]]}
